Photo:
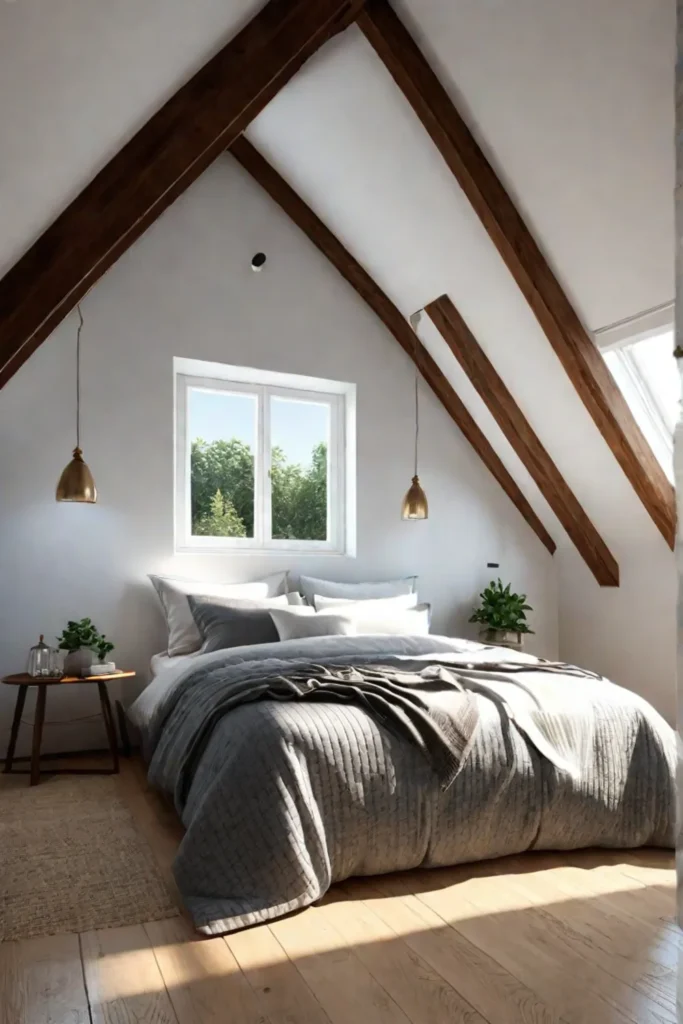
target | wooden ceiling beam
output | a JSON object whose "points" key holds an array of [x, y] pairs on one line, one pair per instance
{"points": [[525, 442], [327, 243], [156, 166], [577, 352]]}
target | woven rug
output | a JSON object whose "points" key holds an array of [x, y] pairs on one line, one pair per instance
{"points": [[71, 859]]}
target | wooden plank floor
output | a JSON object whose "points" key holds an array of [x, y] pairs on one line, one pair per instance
{"points": [[585, 938]]}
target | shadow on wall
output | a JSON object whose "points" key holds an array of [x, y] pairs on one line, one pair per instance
{"points": [[139, 618]]}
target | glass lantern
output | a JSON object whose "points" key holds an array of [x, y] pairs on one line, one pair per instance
{"points": [[41, 659]]}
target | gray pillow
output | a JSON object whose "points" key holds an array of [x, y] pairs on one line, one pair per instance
{"points": [[183, 637], [310, 586], [231, 622]]}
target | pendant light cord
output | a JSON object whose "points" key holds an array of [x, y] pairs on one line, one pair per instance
{"points": [[417, 403], [417, 417], [78, 377]]}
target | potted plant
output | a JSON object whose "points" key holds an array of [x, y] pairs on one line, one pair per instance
{"points": [[103, 648], [80, 639], [503, 614]]}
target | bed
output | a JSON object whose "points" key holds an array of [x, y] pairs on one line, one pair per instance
{"points": [[283, 797]]}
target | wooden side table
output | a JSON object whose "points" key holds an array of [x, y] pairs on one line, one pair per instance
{"points": [[23, 681]]}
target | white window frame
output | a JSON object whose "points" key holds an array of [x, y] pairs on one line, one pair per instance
{"points": [[263, 385], [615, 340]]}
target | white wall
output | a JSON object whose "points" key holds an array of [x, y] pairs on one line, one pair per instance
{"points": [[628, 633], [186, 289], [574, 104]]}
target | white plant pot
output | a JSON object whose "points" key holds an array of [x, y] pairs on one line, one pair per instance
{"points": [[502, 638], [103, 668], [77, 663]]}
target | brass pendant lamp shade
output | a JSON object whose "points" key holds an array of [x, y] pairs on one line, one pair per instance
{"points": [[76, 482], [415, 504]]}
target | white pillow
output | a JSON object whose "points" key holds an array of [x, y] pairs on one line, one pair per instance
{"points": [[310, 586], [370, 604], [183, 635], [296, 623], [369, 619]]}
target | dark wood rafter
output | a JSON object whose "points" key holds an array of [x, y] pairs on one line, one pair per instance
{"points": [[324, 240], [525, 442], [170, 152], [576, 350]]}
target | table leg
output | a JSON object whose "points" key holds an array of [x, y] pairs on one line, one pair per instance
{"points": [[109, 724], [123, 729], [38, 734], [16, 721]]}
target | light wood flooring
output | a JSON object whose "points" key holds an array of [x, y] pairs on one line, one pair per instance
{"points": [[582, 938]]}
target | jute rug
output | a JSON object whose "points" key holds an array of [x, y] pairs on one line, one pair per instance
{"points": [[71, 859]]}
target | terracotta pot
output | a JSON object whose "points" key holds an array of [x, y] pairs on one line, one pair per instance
{"points": [[77, 663]]}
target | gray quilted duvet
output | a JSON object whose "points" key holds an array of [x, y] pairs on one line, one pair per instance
{"points": [[280, 800]]}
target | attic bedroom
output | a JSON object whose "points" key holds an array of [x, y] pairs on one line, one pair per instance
{"points": [[338, 391]]}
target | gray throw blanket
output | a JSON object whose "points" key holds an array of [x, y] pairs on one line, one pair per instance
{"points": [[283, 797], [395, 698]]}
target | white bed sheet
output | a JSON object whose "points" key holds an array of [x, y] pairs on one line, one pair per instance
{"points": [[163, 661], [163, 670]]}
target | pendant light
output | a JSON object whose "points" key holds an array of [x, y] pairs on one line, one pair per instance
{"points": [[415, 504], [76, 482]]}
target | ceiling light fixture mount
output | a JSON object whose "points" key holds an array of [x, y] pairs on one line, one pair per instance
{"points": [[76, 482], [415, 504]]}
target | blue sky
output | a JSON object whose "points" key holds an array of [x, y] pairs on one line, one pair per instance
{"points": [[296, 427]]}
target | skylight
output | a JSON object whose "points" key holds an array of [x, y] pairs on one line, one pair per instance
{"points": [[647, 374]]}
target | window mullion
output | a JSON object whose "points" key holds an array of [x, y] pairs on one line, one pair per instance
{"points": [[258, 470], [647, 397], [337, 472], [266, 502], [187, 482], [332, 471], [183, 496]]}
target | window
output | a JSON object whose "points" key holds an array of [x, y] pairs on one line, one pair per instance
{"points": [[264, 461], [646, 371]]}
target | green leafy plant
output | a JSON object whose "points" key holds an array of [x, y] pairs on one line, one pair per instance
{"points": [[103, 647], [501, 609], [84, 634]]}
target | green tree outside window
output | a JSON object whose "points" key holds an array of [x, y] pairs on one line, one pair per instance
{"points": [[223, 492]]}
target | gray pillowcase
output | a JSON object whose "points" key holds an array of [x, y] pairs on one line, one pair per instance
{"points": [[226, 622], [310, 586]]}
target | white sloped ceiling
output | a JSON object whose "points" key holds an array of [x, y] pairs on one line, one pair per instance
{"points": [[571, 101], [77, 80], [344, 136]]}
